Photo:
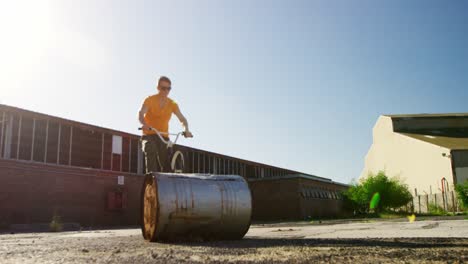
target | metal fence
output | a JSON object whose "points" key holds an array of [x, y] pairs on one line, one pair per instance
{"points": [[426, 203]]}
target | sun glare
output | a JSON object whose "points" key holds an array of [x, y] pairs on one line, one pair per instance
{"points": [[25, 28]]}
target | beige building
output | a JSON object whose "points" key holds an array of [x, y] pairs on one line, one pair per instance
{"points": [[420, 149]]}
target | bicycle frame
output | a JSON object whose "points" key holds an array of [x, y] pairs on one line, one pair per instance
{"points": [[173, 156]]}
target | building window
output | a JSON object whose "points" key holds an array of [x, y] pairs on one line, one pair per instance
{"points": [[316, 194], [117, 144]]}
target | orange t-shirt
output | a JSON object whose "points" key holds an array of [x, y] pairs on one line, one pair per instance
{"points": [[158, 117]]}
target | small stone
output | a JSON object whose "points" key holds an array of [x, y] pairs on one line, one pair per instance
{"points": [[84, 250], [195, 258]]}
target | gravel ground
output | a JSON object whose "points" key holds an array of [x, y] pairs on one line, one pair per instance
{"points": [[438, 242]]}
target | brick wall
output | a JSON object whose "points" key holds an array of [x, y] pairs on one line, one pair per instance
{"points": [[33, 192], [295, 198], [275, 199]]}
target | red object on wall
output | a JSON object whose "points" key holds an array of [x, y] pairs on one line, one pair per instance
{"points": [[116, 200]]}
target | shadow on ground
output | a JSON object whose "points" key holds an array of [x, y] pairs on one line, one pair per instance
{"points": [[371, 243]]}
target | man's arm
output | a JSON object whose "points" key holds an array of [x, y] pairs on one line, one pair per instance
{"points": [[141, 117], [184, 122]]}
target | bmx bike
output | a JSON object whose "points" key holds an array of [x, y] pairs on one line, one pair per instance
{"points": [[175, 158]]}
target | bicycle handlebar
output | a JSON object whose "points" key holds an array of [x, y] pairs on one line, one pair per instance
{"points": [[168, 142]]}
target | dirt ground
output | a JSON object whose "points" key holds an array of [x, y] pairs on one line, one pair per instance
{"points": [[435, 241]]}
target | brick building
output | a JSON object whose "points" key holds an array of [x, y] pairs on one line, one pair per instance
{"points": [[93, 175]]}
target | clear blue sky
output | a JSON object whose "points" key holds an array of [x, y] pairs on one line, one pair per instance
{"points": [[297, 84]]}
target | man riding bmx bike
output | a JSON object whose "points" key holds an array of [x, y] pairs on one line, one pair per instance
{"points": [[155, 113]]}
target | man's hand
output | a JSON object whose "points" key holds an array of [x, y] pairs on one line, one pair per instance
{"points": [[146, 128], [188, 134]]}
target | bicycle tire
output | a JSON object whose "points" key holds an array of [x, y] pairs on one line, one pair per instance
{"points": [[178, 162]]}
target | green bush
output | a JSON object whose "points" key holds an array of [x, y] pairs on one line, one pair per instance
{"points": [[392, 194], [462, 194]]}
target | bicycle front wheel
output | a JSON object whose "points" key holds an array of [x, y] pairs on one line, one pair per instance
{"points": [[178, 162]]}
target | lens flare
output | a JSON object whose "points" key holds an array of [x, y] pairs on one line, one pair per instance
{"points": [[411, 218], [374, 201]]}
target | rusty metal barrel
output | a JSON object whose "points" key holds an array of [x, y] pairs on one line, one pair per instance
{"points": [[195, 206]]}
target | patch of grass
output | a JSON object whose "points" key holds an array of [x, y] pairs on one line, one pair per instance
{"points": [[462, 194], [392, 215], [56, 224], [436, 210]]}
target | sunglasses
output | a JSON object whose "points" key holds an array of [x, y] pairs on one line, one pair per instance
{"points": [[164, 88]]}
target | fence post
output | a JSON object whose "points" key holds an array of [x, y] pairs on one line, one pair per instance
{"points": [[453, 203], [427, 203], [419, 203], [443, 201], [419, 200]]}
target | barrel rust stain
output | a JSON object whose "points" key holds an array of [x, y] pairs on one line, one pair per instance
{"points": [[150, 209]]}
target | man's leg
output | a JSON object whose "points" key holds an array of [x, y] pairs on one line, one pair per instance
{"points": [[148, 144], [162, 154]]}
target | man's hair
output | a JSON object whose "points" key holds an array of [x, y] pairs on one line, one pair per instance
{"points": [[164, 79]]}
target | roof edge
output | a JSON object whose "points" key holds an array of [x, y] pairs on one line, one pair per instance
{"points": [[426, 115]]}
